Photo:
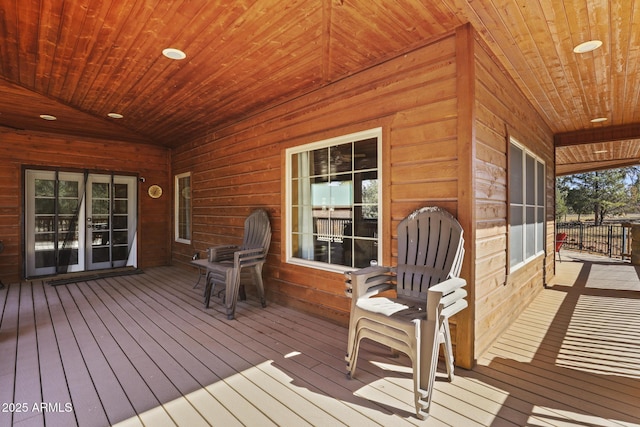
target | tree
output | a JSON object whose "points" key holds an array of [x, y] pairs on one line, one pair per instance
{"points": [[561, 204], [633, 176], [579, 201], [604, 193]]}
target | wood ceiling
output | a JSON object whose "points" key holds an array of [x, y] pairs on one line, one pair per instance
{"points": [[82, 59]]}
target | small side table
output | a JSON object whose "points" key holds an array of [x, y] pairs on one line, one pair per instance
{"points": [[201, 264]]}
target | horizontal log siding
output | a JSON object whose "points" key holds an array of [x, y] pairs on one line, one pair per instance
{"points": [[501, 109], [241, 167], [18, 149]]}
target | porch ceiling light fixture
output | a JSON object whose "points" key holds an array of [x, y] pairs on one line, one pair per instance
{"points": [[172, 53], [600, 151], [588, 46], [115, 115], [599, 120], [48, 117]]}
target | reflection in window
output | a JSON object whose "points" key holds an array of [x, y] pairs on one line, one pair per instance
{"points": [[333, 201], [526, 205]]}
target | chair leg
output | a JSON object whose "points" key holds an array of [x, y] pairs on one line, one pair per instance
{"points": [[350, 344], [256, 271], [232, 281], [448, 349], [352, 359], [427, 362], [207, 290]]}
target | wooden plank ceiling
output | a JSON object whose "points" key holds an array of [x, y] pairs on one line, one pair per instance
{"points": [[82, 59]]}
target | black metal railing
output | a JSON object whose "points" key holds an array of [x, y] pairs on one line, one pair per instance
{"points": [[613, 240]]}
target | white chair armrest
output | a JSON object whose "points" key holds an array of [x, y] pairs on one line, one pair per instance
{"points": [[450, 295], [448, 286]]}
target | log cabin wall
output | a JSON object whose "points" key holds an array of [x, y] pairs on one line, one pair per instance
{"points": [[242, 167], [501, 111], [39, 150], [426, 104]]}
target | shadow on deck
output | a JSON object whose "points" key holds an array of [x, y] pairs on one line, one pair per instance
{"points": [[141, 350], [573, 356]]}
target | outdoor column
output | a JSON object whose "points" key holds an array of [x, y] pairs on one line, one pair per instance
{"points": [[635, 244]]}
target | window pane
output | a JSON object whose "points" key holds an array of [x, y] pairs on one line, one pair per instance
{"points": [[100, 207], [530, 188], [515, 175], [120, 206], [44, 223], [530, 233], [365, 154], [120, 222], [318, 162], [120, 253], [100, 190], [365, 251], [45, 206], [516, 236], [540, 229], [68, 206], [320, 193], [121, 191], [68, 189], [45, 258], [540, 184], [120, 237], [44, 187], [341, 158], [100, 254], [341, 191]]}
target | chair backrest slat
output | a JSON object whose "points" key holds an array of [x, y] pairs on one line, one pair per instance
{"points": [[257, 231], [430, 250]]}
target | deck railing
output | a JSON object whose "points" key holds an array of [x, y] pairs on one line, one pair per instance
{"points": [[613, 240]]}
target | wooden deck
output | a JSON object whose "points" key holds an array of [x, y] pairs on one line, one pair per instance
{"points": [[140, 350]]}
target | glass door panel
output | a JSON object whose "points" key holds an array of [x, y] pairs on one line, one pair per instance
{"points": [[111, 221], [53, 232]]}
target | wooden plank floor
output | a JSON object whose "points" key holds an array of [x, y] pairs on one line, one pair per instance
{"points": [[140, 350]]}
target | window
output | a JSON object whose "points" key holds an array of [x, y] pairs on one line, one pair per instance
{"points": [[526, 204], [183, 207], [333, 198]]}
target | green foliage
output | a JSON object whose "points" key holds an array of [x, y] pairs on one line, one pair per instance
{"points": [[603, 193], [561, 205]]}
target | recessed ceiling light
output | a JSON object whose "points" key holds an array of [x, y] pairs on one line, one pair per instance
{"points": [[599, 120], [587, 46], [172, 53], [115, 115], [48, 117]]}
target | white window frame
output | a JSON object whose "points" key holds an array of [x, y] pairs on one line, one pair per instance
{"points": [[538, 206], [367, 134], [178, 197]]}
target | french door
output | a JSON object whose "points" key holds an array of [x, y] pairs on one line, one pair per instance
{"points": [[79, 222]]}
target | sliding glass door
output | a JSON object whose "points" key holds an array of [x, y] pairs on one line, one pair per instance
{"points": [[77, 222]]}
